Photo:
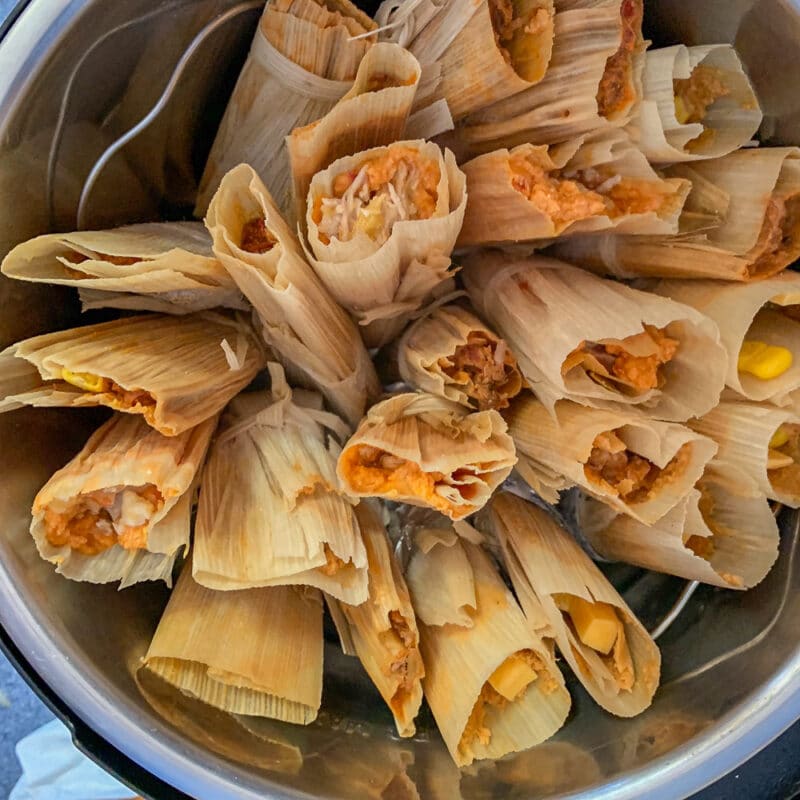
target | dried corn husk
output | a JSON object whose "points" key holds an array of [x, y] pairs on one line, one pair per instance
{"points": [[170, 263], [302, 61], [429, 360], [546, 310], [478, 70], [746, 457], [435, 453], [383, 630], [256, 652], [301, 322], [554, 452], [550, 563], [374, 112], [580, 186], [714, 536], [755, 192], [383, 284], [564, 104], [461, 659], [762, 311], [123, 457], [177, 368], [730, 121], [270, 511]]}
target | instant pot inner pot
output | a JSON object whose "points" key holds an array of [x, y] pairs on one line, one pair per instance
{"points": [[97, 70]]}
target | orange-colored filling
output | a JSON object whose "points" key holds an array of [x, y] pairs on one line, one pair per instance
{"points": [[486, 369], [697, 93], [332, 562], [616, 90], [778, 242], [507, 25], [256, 238], [626, 474], [384, 80], [95, 521], [615, 361]]}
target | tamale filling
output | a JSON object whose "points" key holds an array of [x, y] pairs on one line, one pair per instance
{"points": [[627, 475], [399, 185], [94, 521], [783, 461], [632, 365], [370, 470], [516, 23], [616, 91], [332, 563], [256, 238], [119, 397], [477, 729], [486, 369], [400, 641], [694, 96], [779, 239]]}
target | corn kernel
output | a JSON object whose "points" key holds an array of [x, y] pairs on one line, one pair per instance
{"points": [[764, 361], [84, 380], [779, 438]]}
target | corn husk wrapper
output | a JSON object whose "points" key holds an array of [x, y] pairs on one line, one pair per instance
{"points": [[270, 507], [190, 366], [382, 286], [745, 190], [544, 561], [553, 452], [474, 71], [458, 455], [298, 63], [515, 218], [300, 321], [732, 120], [122, 455], [749, 312], [256, 652], [435, 339], [743, 432], [714, 536], [382, 632], [172, 265], [460, 659], [563, 105], [374, 112], [545, 309]]}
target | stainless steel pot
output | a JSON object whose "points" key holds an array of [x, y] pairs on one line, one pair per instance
{"points": [[74, 74]]}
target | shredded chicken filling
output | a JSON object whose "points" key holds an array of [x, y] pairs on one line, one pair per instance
{"points": [[616, 90], [486, 369], [626, 474], [399, 185], [513, 22], [783, 462], [78, 258], [477, 729], [697, 93], [332, 563], [779, 240], [256, 238], [92, 522], [569, 196], [400, 641], [633, 364], [123, 398]]}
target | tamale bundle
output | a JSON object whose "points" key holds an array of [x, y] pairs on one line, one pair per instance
{"points": [[598, 342], [492, 684], [303, 59], [714, 535], [382, 631], [174, 371], [270, 511], [120, 509], [638, 466], [759, 448], [256, 652], [452, 354], [697, 102], [374, 112], [609, 650], [539, 192], [759, 325], [381, 225], [427, 451], [593, 80], [155, 266], [301, 322], [741, 222]]}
